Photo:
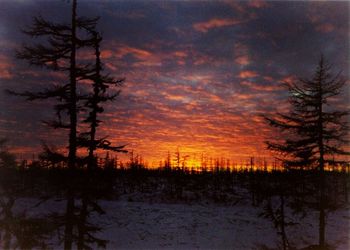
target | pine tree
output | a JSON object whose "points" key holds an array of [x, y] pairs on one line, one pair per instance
{"points": [[317, 131]]}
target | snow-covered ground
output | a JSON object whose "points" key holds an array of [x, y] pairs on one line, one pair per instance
{"points": [[145, 225]]}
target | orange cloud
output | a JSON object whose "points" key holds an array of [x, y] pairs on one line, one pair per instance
{"points": [[105, 54], [181, 98], [257, 4], [215, 23], [268, 78], [110, 66], [136, 52], [247, 74], [145, 58], [180, 54], [241, 54], [325, 28], [85, 54], [318, 19], [148, 63], [288, 79], [181, 62], [5, 67], [255, 86], [200, 60], [242, 60]]}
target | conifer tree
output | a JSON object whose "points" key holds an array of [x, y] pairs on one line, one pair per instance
{"points": [[93, 101], [59, 53], [317, 131]]}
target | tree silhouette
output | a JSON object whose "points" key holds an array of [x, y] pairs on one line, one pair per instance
{"points": [[94, 101], [7, 160], [58, 53], [177, 159], [317, 131], [167, 162]]}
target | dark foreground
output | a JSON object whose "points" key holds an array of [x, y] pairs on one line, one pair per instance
{"points": [[166, 208]]}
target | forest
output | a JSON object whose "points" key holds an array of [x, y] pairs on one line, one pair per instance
{"points": [[91, 192]]}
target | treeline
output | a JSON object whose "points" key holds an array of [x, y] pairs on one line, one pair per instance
{"points": [[273, 193], [204, 164]]}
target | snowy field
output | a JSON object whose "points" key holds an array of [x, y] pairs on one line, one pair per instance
{"points": [[145, 225]]}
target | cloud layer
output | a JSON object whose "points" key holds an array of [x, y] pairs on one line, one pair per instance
{"points": [[199, 75]]}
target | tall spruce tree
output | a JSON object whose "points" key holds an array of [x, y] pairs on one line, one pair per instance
{"points": [[317, 131]]}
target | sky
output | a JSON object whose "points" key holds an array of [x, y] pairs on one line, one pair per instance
{"points": [[199, 74]]}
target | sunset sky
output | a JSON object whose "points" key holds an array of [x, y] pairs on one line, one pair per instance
{"points": [[199, 74]]}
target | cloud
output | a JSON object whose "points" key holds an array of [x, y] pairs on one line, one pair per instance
{"points": [[247, 74], [259, 87], [5, 68], [201, 93], [242, 60], [257, 4], [106, 53], [140, 54], [327, 17], [215, 23], [288, 79], [325, 27], [181, 54]]}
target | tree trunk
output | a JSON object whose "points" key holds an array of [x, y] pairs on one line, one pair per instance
{"points": [[9, 220], [283, 228], [92, 147], [69, 223], [322, 223], [73, 95], [82, 222]]}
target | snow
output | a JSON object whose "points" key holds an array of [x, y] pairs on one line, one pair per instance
{"points": [[147, 225], [181, 226]]}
